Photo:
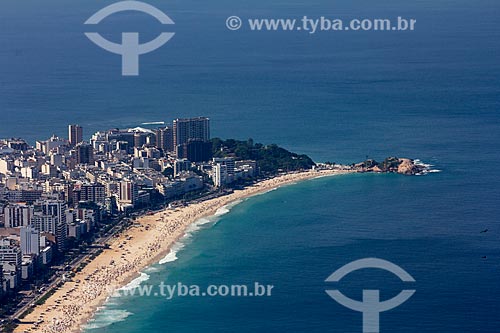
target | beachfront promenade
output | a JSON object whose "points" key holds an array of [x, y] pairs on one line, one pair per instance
{"points": [[143, 244]]}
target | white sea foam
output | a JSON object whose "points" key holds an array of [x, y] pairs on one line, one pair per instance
{"points": [[427, 167], [194, 227], [180, 244], [227, 208], [172, 255], [267, 191], [154, 123], [222, 211], [106, 317], [143, 277], [151, 269]]}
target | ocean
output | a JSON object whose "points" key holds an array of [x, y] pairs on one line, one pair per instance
{"points": [[295, 237], [431, 94]]}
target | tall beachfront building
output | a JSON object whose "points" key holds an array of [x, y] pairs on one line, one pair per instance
{"points": [[165, 139], [191, 129], [75, 134], [10, 253], [50, 216], [84, 153], [17, 215], [30, 240], [128, 192]]}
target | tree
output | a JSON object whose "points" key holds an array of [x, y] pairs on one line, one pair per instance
{"points": [[270, 159], [168, 172]]}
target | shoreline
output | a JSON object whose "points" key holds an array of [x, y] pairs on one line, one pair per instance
{"points": [[143, 244]]}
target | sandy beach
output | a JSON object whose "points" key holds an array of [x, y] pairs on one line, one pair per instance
{"points": [[143, 244]]}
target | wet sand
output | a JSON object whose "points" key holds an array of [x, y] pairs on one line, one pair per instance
{"points": [[143, 244]]}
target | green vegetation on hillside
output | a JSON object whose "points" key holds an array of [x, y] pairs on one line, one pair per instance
{"points": [[271, 159]]}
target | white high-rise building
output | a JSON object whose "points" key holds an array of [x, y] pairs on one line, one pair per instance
{"points": [[191, 129], [50, 216], [129, 192], [30, 241], [10, 253], [219, 175], [75, 134], [18, 215], [229, 162], [181, 165]]}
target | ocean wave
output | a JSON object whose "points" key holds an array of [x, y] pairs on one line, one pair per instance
{"points": [[222, 211], [180, 244], [427, 168], [151, 269], [154, 123], [265, 192], [172, 254], [143, 277], [422, 164], [193, 228], [227, 208], [106, 317]]}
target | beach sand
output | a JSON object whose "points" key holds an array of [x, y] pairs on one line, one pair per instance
{"points": [[143, 244]]}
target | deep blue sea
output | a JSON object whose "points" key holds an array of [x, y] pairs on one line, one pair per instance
{"points": [[432, 94]]}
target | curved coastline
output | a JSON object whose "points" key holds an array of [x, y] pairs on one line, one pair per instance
{"points": [[149, 241]]}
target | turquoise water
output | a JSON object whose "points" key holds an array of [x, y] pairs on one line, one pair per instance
{"points": [[431, 94], [295, 237]]}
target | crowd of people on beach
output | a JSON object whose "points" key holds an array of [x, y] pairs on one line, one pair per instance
{"points": [[73, 305], [79, 302]]}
